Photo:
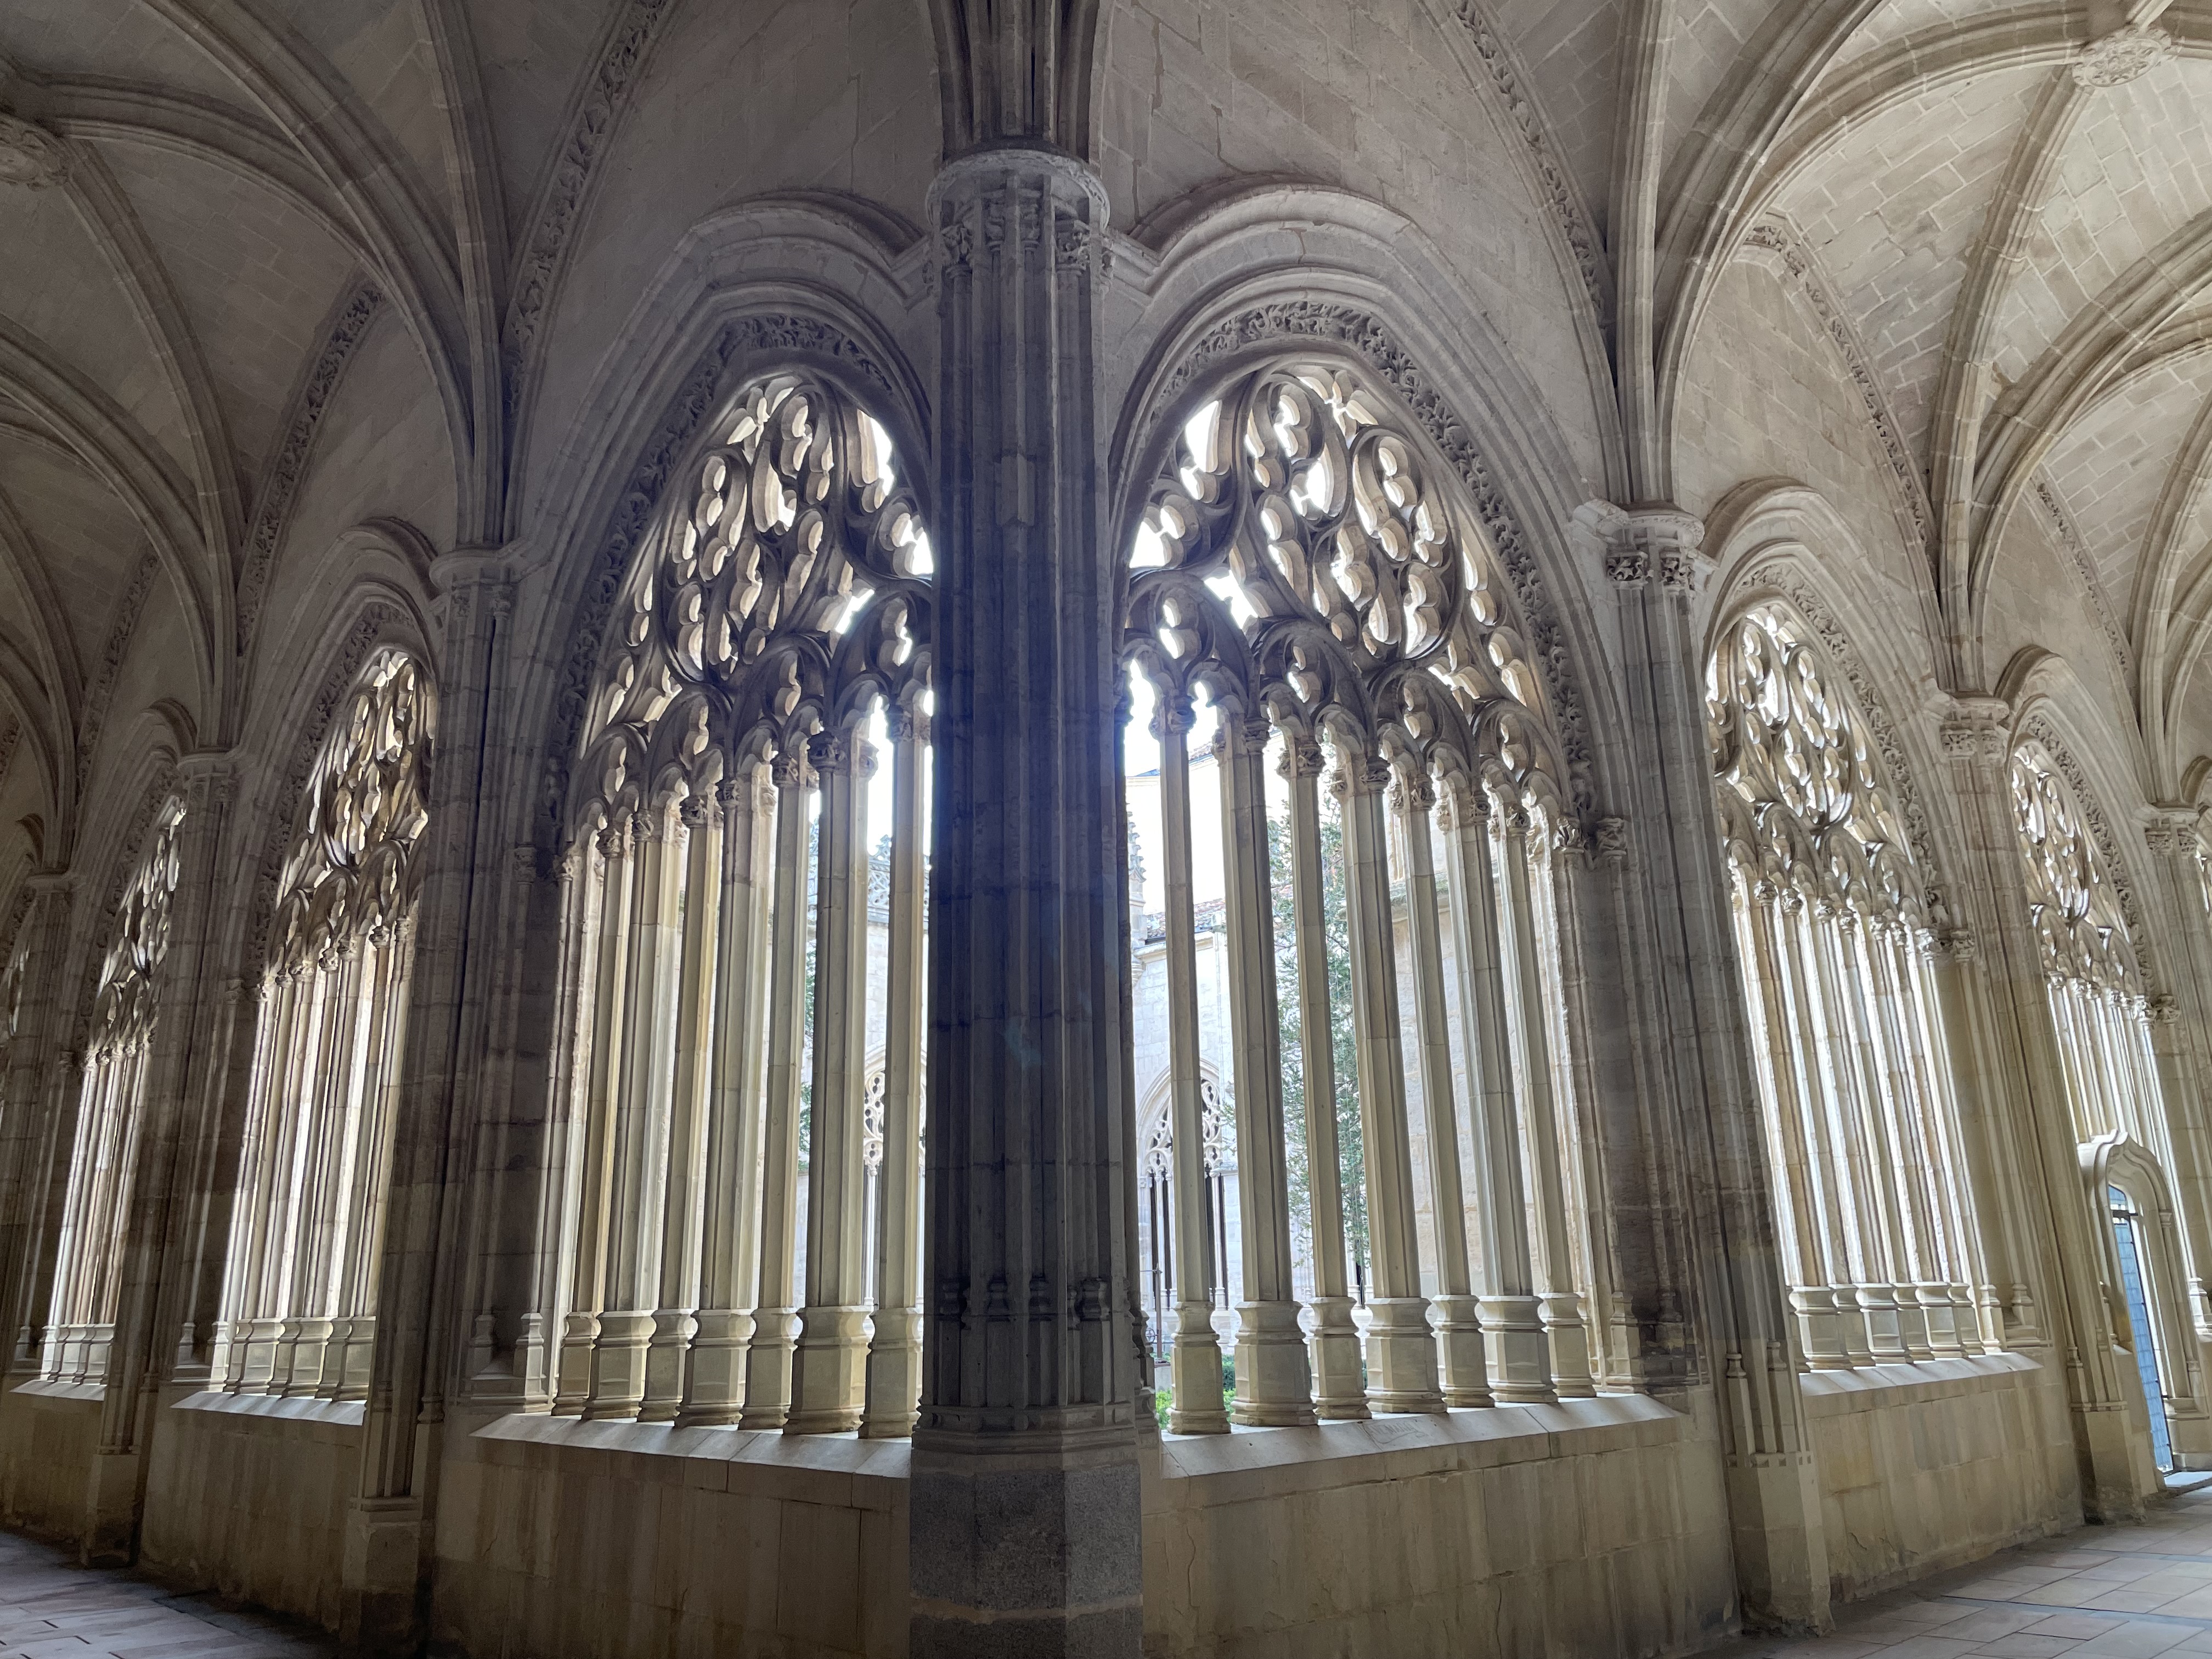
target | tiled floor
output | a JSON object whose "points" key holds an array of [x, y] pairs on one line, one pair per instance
{"points": [[2101, 1593], [51, 1608]]}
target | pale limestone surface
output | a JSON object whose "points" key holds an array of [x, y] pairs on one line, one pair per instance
{"points": [[561, 202], [2110, 1593]]}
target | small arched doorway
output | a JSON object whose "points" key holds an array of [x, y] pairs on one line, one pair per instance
{"points": [[2128, 1223]]}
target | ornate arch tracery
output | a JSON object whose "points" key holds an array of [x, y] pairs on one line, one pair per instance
{"points": [[110, 1106], [1311, 562], [1835, 920], [300, 1276], [719, 896]]}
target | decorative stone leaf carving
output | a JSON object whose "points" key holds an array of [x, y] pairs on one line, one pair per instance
{"points": [[30, 155]]}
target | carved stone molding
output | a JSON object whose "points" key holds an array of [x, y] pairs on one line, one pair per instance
{"points": [[1643, 543], [11, 733], [280, 479], [2172, 831], [1328, 325], [111, 665], [2125, 54], [159, 792], [30, 155], [2085, 569], [1560, 194], [539, 268], [1777, 235], [1974, 728]]}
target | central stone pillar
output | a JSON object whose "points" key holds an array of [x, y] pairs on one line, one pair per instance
{"points": [[1026, 1505], [1653, 561]]}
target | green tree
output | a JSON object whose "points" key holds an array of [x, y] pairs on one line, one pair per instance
{"points": [[1336, 929]]}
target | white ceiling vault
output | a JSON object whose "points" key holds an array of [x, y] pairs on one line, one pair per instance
{"points": [[205, 204]]}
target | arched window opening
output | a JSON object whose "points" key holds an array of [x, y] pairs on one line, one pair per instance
{"points": [[104, 1158], [300, 1277], [2089, 968], [2101, 1018], [1832, 932], [738, 1235], [1368, 1173]]}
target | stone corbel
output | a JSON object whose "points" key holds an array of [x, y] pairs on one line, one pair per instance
{"points": [[1638, 544], [1976, 728]]}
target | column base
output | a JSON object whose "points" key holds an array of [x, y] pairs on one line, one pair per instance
{"points": [[1520, 1358], [1460, 1347], [1781, 1548], [1339, 1382], [379, 1601], [767, 1371], [1195, 1364], [1032, 1550], [894, 1381], [828, 1372], [715, 1369], [618, 1366], [1403, 1376], [111, 1520], [1274, 1387], [663, 1365]]}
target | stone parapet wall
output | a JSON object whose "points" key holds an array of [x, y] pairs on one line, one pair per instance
{"points": [[247, 1497], [1927, 1467], [1592, 1528], [47, 1434], [558, 1539]]}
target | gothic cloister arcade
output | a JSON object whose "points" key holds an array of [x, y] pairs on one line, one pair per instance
{"points": [[1189, 826]]}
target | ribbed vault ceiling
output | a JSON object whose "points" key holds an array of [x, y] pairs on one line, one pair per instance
{"points": [[2025, 253]]}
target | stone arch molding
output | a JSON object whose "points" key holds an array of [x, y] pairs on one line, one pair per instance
{"points": [[1236, 341]]}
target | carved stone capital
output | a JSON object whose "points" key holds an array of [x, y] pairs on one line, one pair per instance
{"points": [[1639, 543], [30, 155], [1976, 728], [2172, 831], [1610, 837], [1174, 713], [2125, 54], [1303, 757], [1413, 794], [788, 770]]}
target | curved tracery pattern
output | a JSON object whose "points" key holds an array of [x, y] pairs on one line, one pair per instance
{"points": [[353, 866], [1305, 566], [2078, 924], [1831, 915], [89, 1262], [716, 969], [2094, 982], [1297, 549], [1801, 786], [300, 1282], [792, 580]]}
